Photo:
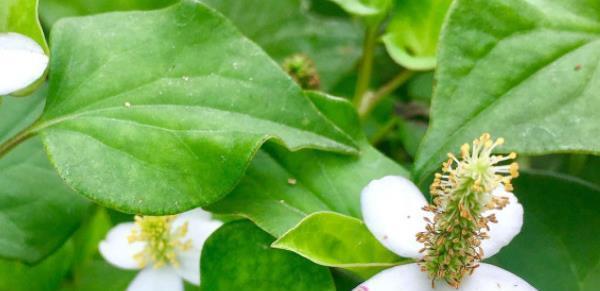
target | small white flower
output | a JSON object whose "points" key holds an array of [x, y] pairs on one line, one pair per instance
{"points": [[165, 248], [22, 62], [392, 210]]}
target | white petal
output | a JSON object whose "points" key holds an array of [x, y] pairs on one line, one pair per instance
{"points": [[410, 278], [22, 62], [200, 227], [117, 250], [161, 279], [189, 266], [392, 210], [510, 221]]}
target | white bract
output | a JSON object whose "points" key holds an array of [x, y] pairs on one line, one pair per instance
{"points": [[22, 62], [165, 248], [392, 210]]}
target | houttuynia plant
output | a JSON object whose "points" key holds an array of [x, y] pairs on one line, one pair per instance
{"points": [[299, 145]]}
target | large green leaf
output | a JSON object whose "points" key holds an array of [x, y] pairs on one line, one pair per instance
{"points": [[284, 28], [45, 276], [281, 187], [524, 70], [335, 240], [22, 16], [164, 112], [558, 246], [238, 256], [411, 37], [38, 212]]}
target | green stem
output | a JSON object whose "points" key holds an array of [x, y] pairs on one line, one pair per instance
{"points": [[16, 140], [383, 131], [369, 101], [366, 64]]}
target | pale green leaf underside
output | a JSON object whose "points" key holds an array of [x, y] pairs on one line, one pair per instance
{"points": [[238, 256], [336, 240], [38, 212], [164, 112], [411, 38], [524, 70], [557, 248]]}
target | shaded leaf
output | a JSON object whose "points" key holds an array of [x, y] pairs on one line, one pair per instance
{"points": [[38, 212], [558, 246], [238, 256], [284, 28]]}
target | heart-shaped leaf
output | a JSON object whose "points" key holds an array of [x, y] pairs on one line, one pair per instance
{"points": [[38, 212], [164, 112], [558, 246], [242, 251], [523, 70]]}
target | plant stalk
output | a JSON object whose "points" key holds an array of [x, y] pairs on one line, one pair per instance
{"points": [[369, 101], [16, 140], [366, 64]]}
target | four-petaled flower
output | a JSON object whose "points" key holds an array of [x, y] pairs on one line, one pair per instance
{"points": [[165, 248], [392, 209]]}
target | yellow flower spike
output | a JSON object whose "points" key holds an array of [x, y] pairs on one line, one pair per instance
{"points": [[161, 241], [461, 193]]}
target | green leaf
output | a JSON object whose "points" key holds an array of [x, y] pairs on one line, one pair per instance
{"points": [[558, 246], [411, 38], [335, 240], [281, 187], [38, 212], [45, 276], [98, 275], [22, 16], [523, 70], [165, 115], [284, 28], [238, 256], [53, 10]]}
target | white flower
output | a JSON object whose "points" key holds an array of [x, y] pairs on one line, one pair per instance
{"points": [[22, 62], [392, 210], [166, 249]]}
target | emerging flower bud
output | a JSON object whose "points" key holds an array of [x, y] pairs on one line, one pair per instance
{"points": [[461, 193], [303, 70]]}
